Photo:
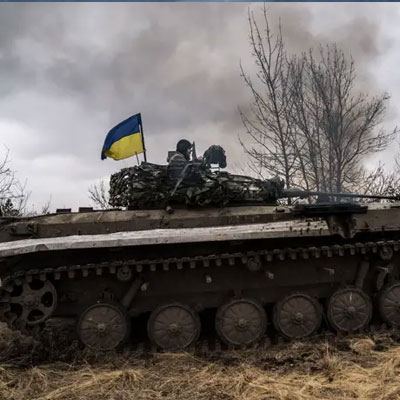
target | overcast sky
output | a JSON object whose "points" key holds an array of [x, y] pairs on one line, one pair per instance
{"points": [[70, 72]]}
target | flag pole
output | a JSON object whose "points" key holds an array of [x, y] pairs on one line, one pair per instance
{"points": [[141, 131]]}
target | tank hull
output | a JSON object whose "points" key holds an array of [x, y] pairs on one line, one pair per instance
{"points": [[253, 267]]}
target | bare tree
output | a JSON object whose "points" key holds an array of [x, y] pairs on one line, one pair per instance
{"points": [[13, 193], [98, 194], [268, 127], [307, 123], [45, 209], [382, 180], [337, 126], [34, 211], [7, 177]]}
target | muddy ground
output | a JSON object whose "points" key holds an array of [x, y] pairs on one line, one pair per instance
{"points": [[325, 367]]}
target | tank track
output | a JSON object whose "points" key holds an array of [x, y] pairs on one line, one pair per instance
{"points": [[71, 271]]}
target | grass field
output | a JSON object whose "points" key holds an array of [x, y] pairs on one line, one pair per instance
{"points": [[362, 367]]}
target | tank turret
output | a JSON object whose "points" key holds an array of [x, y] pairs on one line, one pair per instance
{"points": [[147, 185]]}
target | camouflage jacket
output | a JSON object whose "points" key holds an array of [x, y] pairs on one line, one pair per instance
{"points": [[182, 170]]}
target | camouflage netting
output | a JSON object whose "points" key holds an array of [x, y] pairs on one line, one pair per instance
{"points": [[147, 186]]}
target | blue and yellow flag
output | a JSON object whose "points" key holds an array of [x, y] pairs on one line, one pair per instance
{"points": [[124, 140]]}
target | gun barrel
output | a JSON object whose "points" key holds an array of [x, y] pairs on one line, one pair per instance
{"points": [[306, 193], [194, 154]]}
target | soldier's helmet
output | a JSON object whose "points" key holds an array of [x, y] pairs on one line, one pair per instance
{"points": [[215, 155], [183, 146]]}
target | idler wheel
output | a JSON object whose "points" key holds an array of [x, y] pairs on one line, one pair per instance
{"points": [[349, 310], [241, 322], [32, 303], [297, 315], [173, 326], [103, 327], [389, 304]]}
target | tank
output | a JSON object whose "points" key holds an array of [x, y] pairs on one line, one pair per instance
{"points": [[174, 261]]}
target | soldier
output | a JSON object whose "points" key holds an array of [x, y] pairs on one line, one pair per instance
{"points": [[215, 155], [180, 166], [182, 153]]}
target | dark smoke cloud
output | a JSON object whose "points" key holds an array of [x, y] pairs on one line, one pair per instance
{"points": [[69, 72]]}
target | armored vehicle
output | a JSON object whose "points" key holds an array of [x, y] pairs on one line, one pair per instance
{"points": [[171, 255]]}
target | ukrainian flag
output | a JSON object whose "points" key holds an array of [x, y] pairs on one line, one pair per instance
{"points": [[124, 140]]}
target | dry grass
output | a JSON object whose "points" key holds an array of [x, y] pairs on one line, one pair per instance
{"points": [[328, 368]]}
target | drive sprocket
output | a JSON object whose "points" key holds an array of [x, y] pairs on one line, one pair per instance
{"points": [[29, 304]]}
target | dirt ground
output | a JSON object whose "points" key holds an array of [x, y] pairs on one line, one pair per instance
{"points": [[357, 367]]}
